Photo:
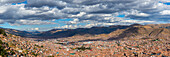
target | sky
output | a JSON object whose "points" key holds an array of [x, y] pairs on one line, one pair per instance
{"points": [[43, 15]]}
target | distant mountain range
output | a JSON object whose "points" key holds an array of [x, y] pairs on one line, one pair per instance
{"points": [[117, 31], [60, 33], [151, 31]]}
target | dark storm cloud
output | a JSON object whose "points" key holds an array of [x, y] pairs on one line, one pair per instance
{"points": [[51, 3], [164, 18]]}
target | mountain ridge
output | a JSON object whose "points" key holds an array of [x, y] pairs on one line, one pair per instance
{"points": [[133, 32], [119, 31]]}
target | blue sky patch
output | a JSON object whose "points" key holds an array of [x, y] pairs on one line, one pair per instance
{"points": [[167, 3], [121, 16], [25, 2]]}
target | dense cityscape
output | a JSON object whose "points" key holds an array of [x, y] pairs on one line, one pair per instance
{"points": [[84, 28], [141, 47]]}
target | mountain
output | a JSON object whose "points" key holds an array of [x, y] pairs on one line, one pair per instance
{"points": [[146, 31], [132, 32], [132, 40], [60, 33], [109, 33], [20, 33]]}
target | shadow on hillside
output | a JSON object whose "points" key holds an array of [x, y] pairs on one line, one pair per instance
{"points": [[114, 38], [134, 31], [80, 31], [127, 33], [90, 40]]}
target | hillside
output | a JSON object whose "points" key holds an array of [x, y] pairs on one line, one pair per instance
{"points": [[19, 32], [111, 32], [146, 31], [132, 32], [134, 41], [56, 33]]}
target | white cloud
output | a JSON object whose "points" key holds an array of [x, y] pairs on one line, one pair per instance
{"points": [[165, 12], [36, 29], [79, 15], [97, 12], [137, 21], [2, 9], [31, 22], [1, 21], [142, 14]]}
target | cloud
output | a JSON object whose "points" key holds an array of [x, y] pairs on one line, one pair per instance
{"points": [[92, 23], [15, 12], [165, 12], [11, 1], [51, 3], [36, 29], [31, 22], [1, 21], [99, 12]]}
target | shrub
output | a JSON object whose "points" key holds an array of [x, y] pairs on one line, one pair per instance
{"points": [[1, 42], [3, 52], [50, 56], [42, 46], [34, 54], [83, 48], [2, 31]]}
